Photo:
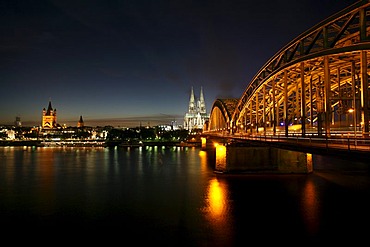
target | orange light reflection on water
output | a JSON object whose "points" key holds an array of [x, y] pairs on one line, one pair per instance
{"points": [[217, 205], [203, 161], [218, 211], [310, 206]]}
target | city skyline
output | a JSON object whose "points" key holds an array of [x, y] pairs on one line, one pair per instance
{"points": [[153, 120], [134, 121], [122, 63]]}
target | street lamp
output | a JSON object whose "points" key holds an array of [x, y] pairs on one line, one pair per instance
{"points": [[352, 110]]}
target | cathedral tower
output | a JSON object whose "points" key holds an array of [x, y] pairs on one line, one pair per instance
{"points": [[192, 108], [197, 115], [202, 103]]}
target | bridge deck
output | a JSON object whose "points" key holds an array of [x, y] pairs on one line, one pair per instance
{"points": [[348, 148]]}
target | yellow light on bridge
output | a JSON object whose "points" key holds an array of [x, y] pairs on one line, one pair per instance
{"points": [[295, 127], [220, 157], [204, 142], [221, 150]]}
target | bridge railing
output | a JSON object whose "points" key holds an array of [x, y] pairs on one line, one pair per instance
{"points": [[336, 142]]}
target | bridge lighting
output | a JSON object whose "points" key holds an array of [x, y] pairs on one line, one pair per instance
{"points": [[352, 110], [295, 127], [204, 142], [220, 157]]}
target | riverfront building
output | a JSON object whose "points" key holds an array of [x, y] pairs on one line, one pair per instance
{"points": [[49, 117]]}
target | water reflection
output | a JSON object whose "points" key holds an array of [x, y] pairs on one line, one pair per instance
{"points": [[171, 196], [310, 207], [216, 201], [44, 183], [218, 211], [23, 171]]}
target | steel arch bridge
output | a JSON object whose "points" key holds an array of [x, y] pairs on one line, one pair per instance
{"points": [[318, 84]]}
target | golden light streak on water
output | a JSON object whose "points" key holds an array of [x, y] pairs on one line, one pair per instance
{"points": [[216, 200], [203, 160], [310, 207], [218, 211]]}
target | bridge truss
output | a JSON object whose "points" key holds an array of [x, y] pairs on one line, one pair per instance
{"points": [[316, 85]]}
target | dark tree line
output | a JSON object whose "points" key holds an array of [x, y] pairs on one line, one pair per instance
{"points": [[147, 134]]}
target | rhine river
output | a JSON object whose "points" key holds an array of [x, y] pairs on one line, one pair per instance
{"points": [[172, 197]]}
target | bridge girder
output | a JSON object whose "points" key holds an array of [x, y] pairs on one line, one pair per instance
{"points": [[313, 83], [220, 117]]}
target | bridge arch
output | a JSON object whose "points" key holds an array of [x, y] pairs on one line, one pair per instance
{"points": [[221, 113], [317, 84]]}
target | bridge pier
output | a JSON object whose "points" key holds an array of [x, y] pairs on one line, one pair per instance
{"points": [[229, 158], [261, 159]]}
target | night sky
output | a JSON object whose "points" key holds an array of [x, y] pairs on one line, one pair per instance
{"points": [[125, 63]]}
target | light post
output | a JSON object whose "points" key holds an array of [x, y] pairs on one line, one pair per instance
{"points": [[352, 110]]}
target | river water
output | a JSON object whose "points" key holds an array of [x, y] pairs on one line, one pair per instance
{"points": [[170, 196]]}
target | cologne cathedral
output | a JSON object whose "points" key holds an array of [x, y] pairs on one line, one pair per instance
{"points": [[197, 115]]}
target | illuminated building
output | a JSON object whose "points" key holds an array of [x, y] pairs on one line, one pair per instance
{"points": [[80, 123], [18, 122], [197, 115], [49, 117]]}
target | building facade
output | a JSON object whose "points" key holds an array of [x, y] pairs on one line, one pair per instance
{"points": [[49, 117], [197, 115]]}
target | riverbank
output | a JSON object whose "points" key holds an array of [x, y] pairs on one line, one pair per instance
{"points": [[152, 143], [89, 143], [4, 143]]}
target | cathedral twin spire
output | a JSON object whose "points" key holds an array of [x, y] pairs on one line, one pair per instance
{"points": [[197, 115], [199, 106]]}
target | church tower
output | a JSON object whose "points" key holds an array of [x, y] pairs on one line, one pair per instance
{"points": [[80, 123], [197, 115], [49, 117]]}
